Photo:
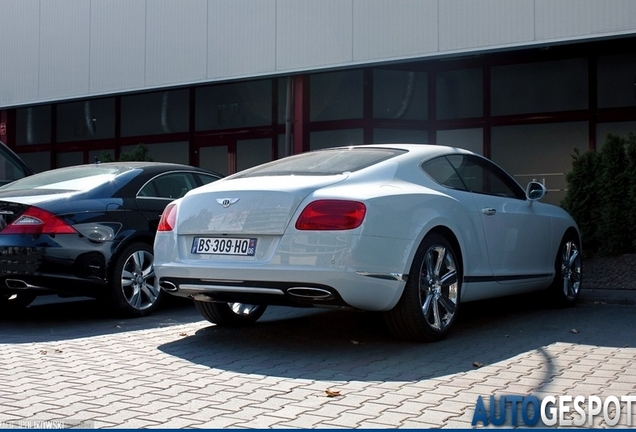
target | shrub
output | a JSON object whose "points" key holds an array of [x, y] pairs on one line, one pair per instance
{"points": [[582, 197], [601, 196], [139, 153], [631, 175]]}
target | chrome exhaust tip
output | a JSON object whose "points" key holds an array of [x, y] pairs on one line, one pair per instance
{"points": [[16, 284], [310, 293], [168, 286]]}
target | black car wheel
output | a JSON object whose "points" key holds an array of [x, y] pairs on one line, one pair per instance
{"points": [[230, 314], [428, 306], [568, 268], [133, 288], [16, 300]]}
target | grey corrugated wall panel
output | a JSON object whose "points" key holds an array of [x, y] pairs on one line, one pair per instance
{"points": [[63, 48], [394, 28], [241, 37], [176, 41], [19, 41], [118, 45], [312, 33], [477, 24], [571, 18]]}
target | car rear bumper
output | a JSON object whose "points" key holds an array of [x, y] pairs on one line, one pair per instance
{"points": [[288, 287], [24, 266]]}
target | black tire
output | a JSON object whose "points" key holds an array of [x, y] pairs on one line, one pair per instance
{"points": [[16, 300], [133, 289], [230, 314], [430, 301], [568, 266]]}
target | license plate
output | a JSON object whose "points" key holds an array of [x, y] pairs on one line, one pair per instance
{"points": [[224, 246]]}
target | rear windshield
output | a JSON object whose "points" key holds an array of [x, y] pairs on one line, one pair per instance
{"points": [[78, 178], [323, 162]]}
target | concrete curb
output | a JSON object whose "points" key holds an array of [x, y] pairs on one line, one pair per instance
{"points": [[607, 296]]}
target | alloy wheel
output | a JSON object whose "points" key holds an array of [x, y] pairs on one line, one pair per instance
{"points": [[570, 270], [138, 281], [439, 287]]}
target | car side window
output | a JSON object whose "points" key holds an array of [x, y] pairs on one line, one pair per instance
{"points": [[482, 176], [206, 178], [440, 170], [169, 186]]}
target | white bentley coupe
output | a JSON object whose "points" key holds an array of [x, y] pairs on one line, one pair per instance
{"points": [[410, 230]]}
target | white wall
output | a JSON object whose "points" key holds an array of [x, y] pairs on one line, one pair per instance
{"points": [[63, 49]]}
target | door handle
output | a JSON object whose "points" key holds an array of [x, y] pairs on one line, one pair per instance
{"points": [[489, 211]]}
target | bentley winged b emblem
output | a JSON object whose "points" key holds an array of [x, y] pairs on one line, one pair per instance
{"points": [[226, 202]]}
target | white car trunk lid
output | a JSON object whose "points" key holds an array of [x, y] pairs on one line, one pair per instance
{"points": [[234, 206]]}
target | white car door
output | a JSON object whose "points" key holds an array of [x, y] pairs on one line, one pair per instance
{"points": [[516, 230]]}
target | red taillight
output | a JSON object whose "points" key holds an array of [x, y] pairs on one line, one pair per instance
{"points": [[331, 215], [168, 218], [37, 221]]}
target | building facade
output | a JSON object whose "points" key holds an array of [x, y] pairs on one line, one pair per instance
{"points": [[228, 84]]}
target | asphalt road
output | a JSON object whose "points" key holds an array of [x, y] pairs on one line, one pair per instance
{"points": [[68, 363]]}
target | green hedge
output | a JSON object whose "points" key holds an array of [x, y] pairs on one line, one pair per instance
{"points": [[601, 196], [139, 153]]}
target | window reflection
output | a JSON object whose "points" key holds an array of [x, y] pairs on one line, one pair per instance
{"points": [[550, 86], [33, 125], [400, 94], [155, 113], [336, 95], [228, 106], [85, 120]]}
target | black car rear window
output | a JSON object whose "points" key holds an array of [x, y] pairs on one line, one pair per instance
{"points": [[73, 178], [323, 162]]}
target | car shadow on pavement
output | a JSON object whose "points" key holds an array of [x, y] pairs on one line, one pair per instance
{"points": [[344, 345], [51, 318]]}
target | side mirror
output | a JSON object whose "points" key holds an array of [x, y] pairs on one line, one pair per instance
{"points": [[535, 191]]}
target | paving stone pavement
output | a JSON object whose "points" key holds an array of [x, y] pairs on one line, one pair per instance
{"points": [[71, 363]]}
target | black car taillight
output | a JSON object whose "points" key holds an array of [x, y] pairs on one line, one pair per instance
{"points": [[38, 221]]}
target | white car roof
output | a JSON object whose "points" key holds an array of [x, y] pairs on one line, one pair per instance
{"points": [[420, 149]]}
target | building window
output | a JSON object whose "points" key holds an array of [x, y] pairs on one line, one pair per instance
{"points": [[37, 161], [33, 125], [622, 129], [617, 81], [470, 139], [282, 99], [252, 152], [86, 120], [229, 106], [154, 113], [335, 138], [98, 155], [459, 94], [176, 152], [551, 86], [540, 152], [215, 159], [336, 95], [406, 136], [64, 159], [400, 94]]}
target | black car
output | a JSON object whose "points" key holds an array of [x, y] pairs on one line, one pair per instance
{"points": [[88, 230], [11, 166]]}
